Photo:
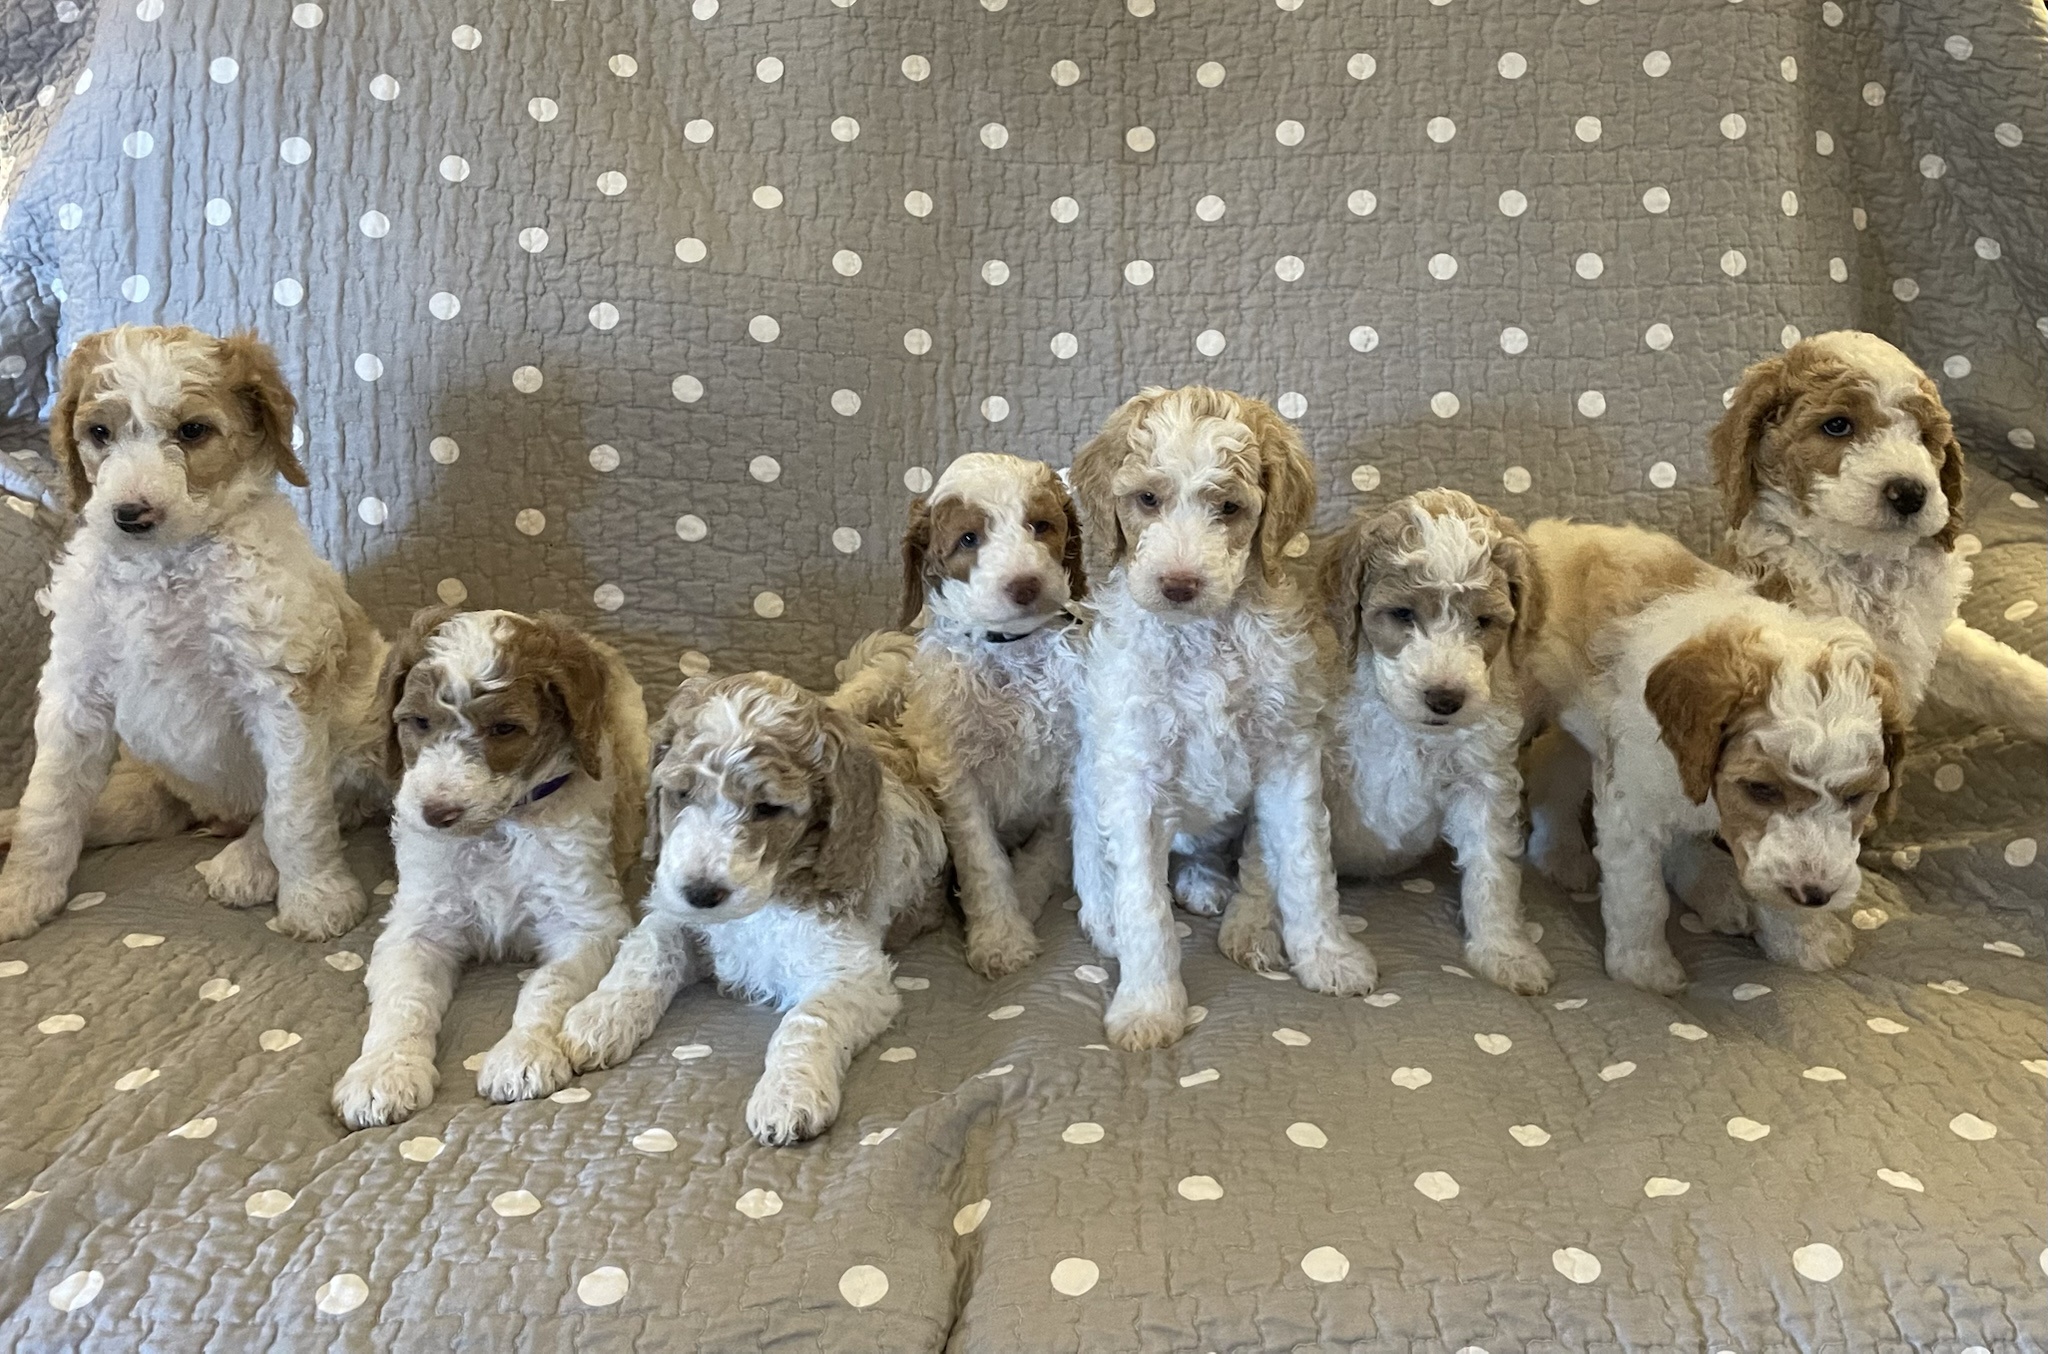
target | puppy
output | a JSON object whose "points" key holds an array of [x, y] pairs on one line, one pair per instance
{"points": [[793, 843], [1200, 695], [1713, 714], [993, 560], [523, 746], [192, 623], [1434, 603], [1842, 479]]}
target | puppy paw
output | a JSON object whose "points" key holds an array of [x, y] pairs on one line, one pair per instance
{"points": [[791, 1104], [1652, 970], [1339, 966], [380, 1089], [605, 1027], [321, 907], [1815, 942], [1248, 940], [240, 873], [1200, 888], [1514, 964], [524, 1065], [999, 944], [1151, 1018], [1568, 864], [26, 903]]}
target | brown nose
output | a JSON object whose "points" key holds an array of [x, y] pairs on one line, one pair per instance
{"points": [[441, 815], [1180, 589], [1023, 590], [134, 518]]}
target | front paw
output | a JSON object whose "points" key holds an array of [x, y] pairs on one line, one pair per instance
{"points": [[27, 902], [1512, 963], [1139, 1019], [321, 907], [1201, 888], [524, 1065], [1816, 941], [1247, 939], [240, 873], [1338, 966], [605, 1027], [380, 1089], [792, 1104], [1656, 970], [1000, 943]]}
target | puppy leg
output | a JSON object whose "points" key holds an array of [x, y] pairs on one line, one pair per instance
{"points": [[1293, 828], [1247, 936], [1043, 867], [654, 963], [999, 939], [317, 897], [1150, 1008], [533, 1060], [1560, 782], [74, 753], [1703, 878], [136, 806], [240, 873], [1094, 877], [1201, 883], [1633, 903], [1981, 676], [410, 979], [797, 1096], [1815, 941], [1480, 825]]}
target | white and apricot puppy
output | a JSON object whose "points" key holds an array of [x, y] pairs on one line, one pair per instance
{"points": [[1201, 698], [523, 747], [1842, 480], [992, 560], [193, 626], [1434, 602], [793, 842]]}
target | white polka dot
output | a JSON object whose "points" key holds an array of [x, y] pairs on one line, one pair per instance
{"points": [[768, 605], [1657, 64], [76, 1289], [759, 1203], [1663, 474], [1361, 202], [1747, 1130], [277, 1041], [1199, 1188], [1589, 266], [1210, 342], [1201, 1078], [1292, 404], [1065, 73], [1824, 1074], [1288, 268], [1515, 479], [528, 379], [1288, 132], [1361, 66], [1817, 1261], [1749, 991], [222, 70], [916, 68], [543, 109], [13, 968], [764, 329], [995, 135], [995, 408], [1873, 94], [1444, 404], [1733, 263], [1513, 203], [1065, 345], [1788, 69], [267, 1203], [1577, 1265], [605, 1285], [1411, 1078], [84, 81], [697, 131], [136, 145], [444, 450], [136, 1079], [1948, 778], [654, 1141], [1365, 478], [703, 10], [1495, 1044], [1443, 267], [690, 249], [2008, 134], [1932, 166], [1325, 1264], [1209, 74], [1138, 272], [917, 342], [1529, 1135], [2023, 438], [135, 288], [1823, 144], [1657, 201], [768, 70], [311, 16], [996, 272], [444, 305], [624, 66], [341, 1294], [687, 388], [1513, 340], [1074, 1276], [768, 197], [219, 211], [1587, 129], [1365, 338], [218, 989], [1734, 126], [1788, 203], [606, 597], [514, 1203], [1616, 1071], [530, 521], [863, 1286], [766, 469], [846, 540], [1512, 65], [287, 292], [465, 36], [611, 183], [917, 479], [2020, 852], [1987, 248], [1440, 129], [1906, 289], [1592, 403], [68, 1023]]}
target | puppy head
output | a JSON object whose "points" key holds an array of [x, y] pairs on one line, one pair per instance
{"points": [[1191, 491], [996, 546], [163, 433], [760, 792], [1440, 596], [487, 707], [1846, 426], [1796, 732]]}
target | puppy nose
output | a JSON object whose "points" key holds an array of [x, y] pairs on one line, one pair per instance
{"points": [[705, 895], [1905, 497], [1180, 588], [440, 815], [1444, 700], [1023, 590], [1809, 895], [134, 518]]}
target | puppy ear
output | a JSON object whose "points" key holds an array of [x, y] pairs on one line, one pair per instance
{"points": [[675, 723], [1891, 714], [1340, 578], [852, 794], [1697, 691], [573, 672], [405, 653], [251, 371], [90, 352], [1940, 431], [1288, 481], [1070, 552], [1093, 477], [1527, 592], [1760, 399], [917, 543]]}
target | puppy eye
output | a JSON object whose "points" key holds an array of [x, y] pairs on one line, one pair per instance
{"points": [[503, 729], [1763, 792], [767, 810], [1147, 499], [1229, 509], [417, 723], [1039, 528], [968, 541], [99, 433], [1857, 801], [1400, 615], [1838, 426], [1486, 622], [192, 432]]}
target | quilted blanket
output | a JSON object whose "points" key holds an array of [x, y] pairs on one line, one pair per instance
{"points": [[658, 311]]}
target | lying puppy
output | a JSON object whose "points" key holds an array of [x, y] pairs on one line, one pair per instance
{"points": [[1842, 479], [1713, 713], [1434, 602], [192, 623], [993, 560], [794, 842], [1200, 693], [523, 745]]}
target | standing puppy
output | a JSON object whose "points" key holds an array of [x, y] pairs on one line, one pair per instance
{"points": [[1842, 479], [524, 750], [993, 559], [192, 623], [1201, 697]]}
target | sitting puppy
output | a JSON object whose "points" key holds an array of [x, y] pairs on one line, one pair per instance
{"points": [[794, 843], [192, 623], [523, 745], [1843, 483], [1712, 713], [1200, 693], [993, 559]]}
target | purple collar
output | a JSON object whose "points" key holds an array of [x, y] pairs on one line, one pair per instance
{"points": [[544, 789]]}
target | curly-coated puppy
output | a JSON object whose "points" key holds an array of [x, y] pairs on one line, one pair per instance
{"points": [[1200, 693], [992, 559], [793, 842], [523, 748], [192, 624]]}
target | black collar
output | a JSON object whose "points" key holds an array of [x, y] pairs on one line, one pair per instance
{"points": [[544, 789], [1066, 618]]}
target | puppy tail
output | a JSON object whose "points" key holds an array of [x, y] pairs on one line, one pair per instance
{"points": [[874, 678]]}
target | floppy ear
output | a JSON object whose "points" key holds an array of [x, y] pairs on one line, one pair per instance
{"points": [[917, 543], [1340, 577], [251, 371], [1288, 481], [573, 672], [1515, 557], [90, 352], [1696, 692], [1891, 714], [1951, 477], [1094, 482], [406, 651], [853, 808], [1760, 399], [1070, 554], [675, 722]]}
